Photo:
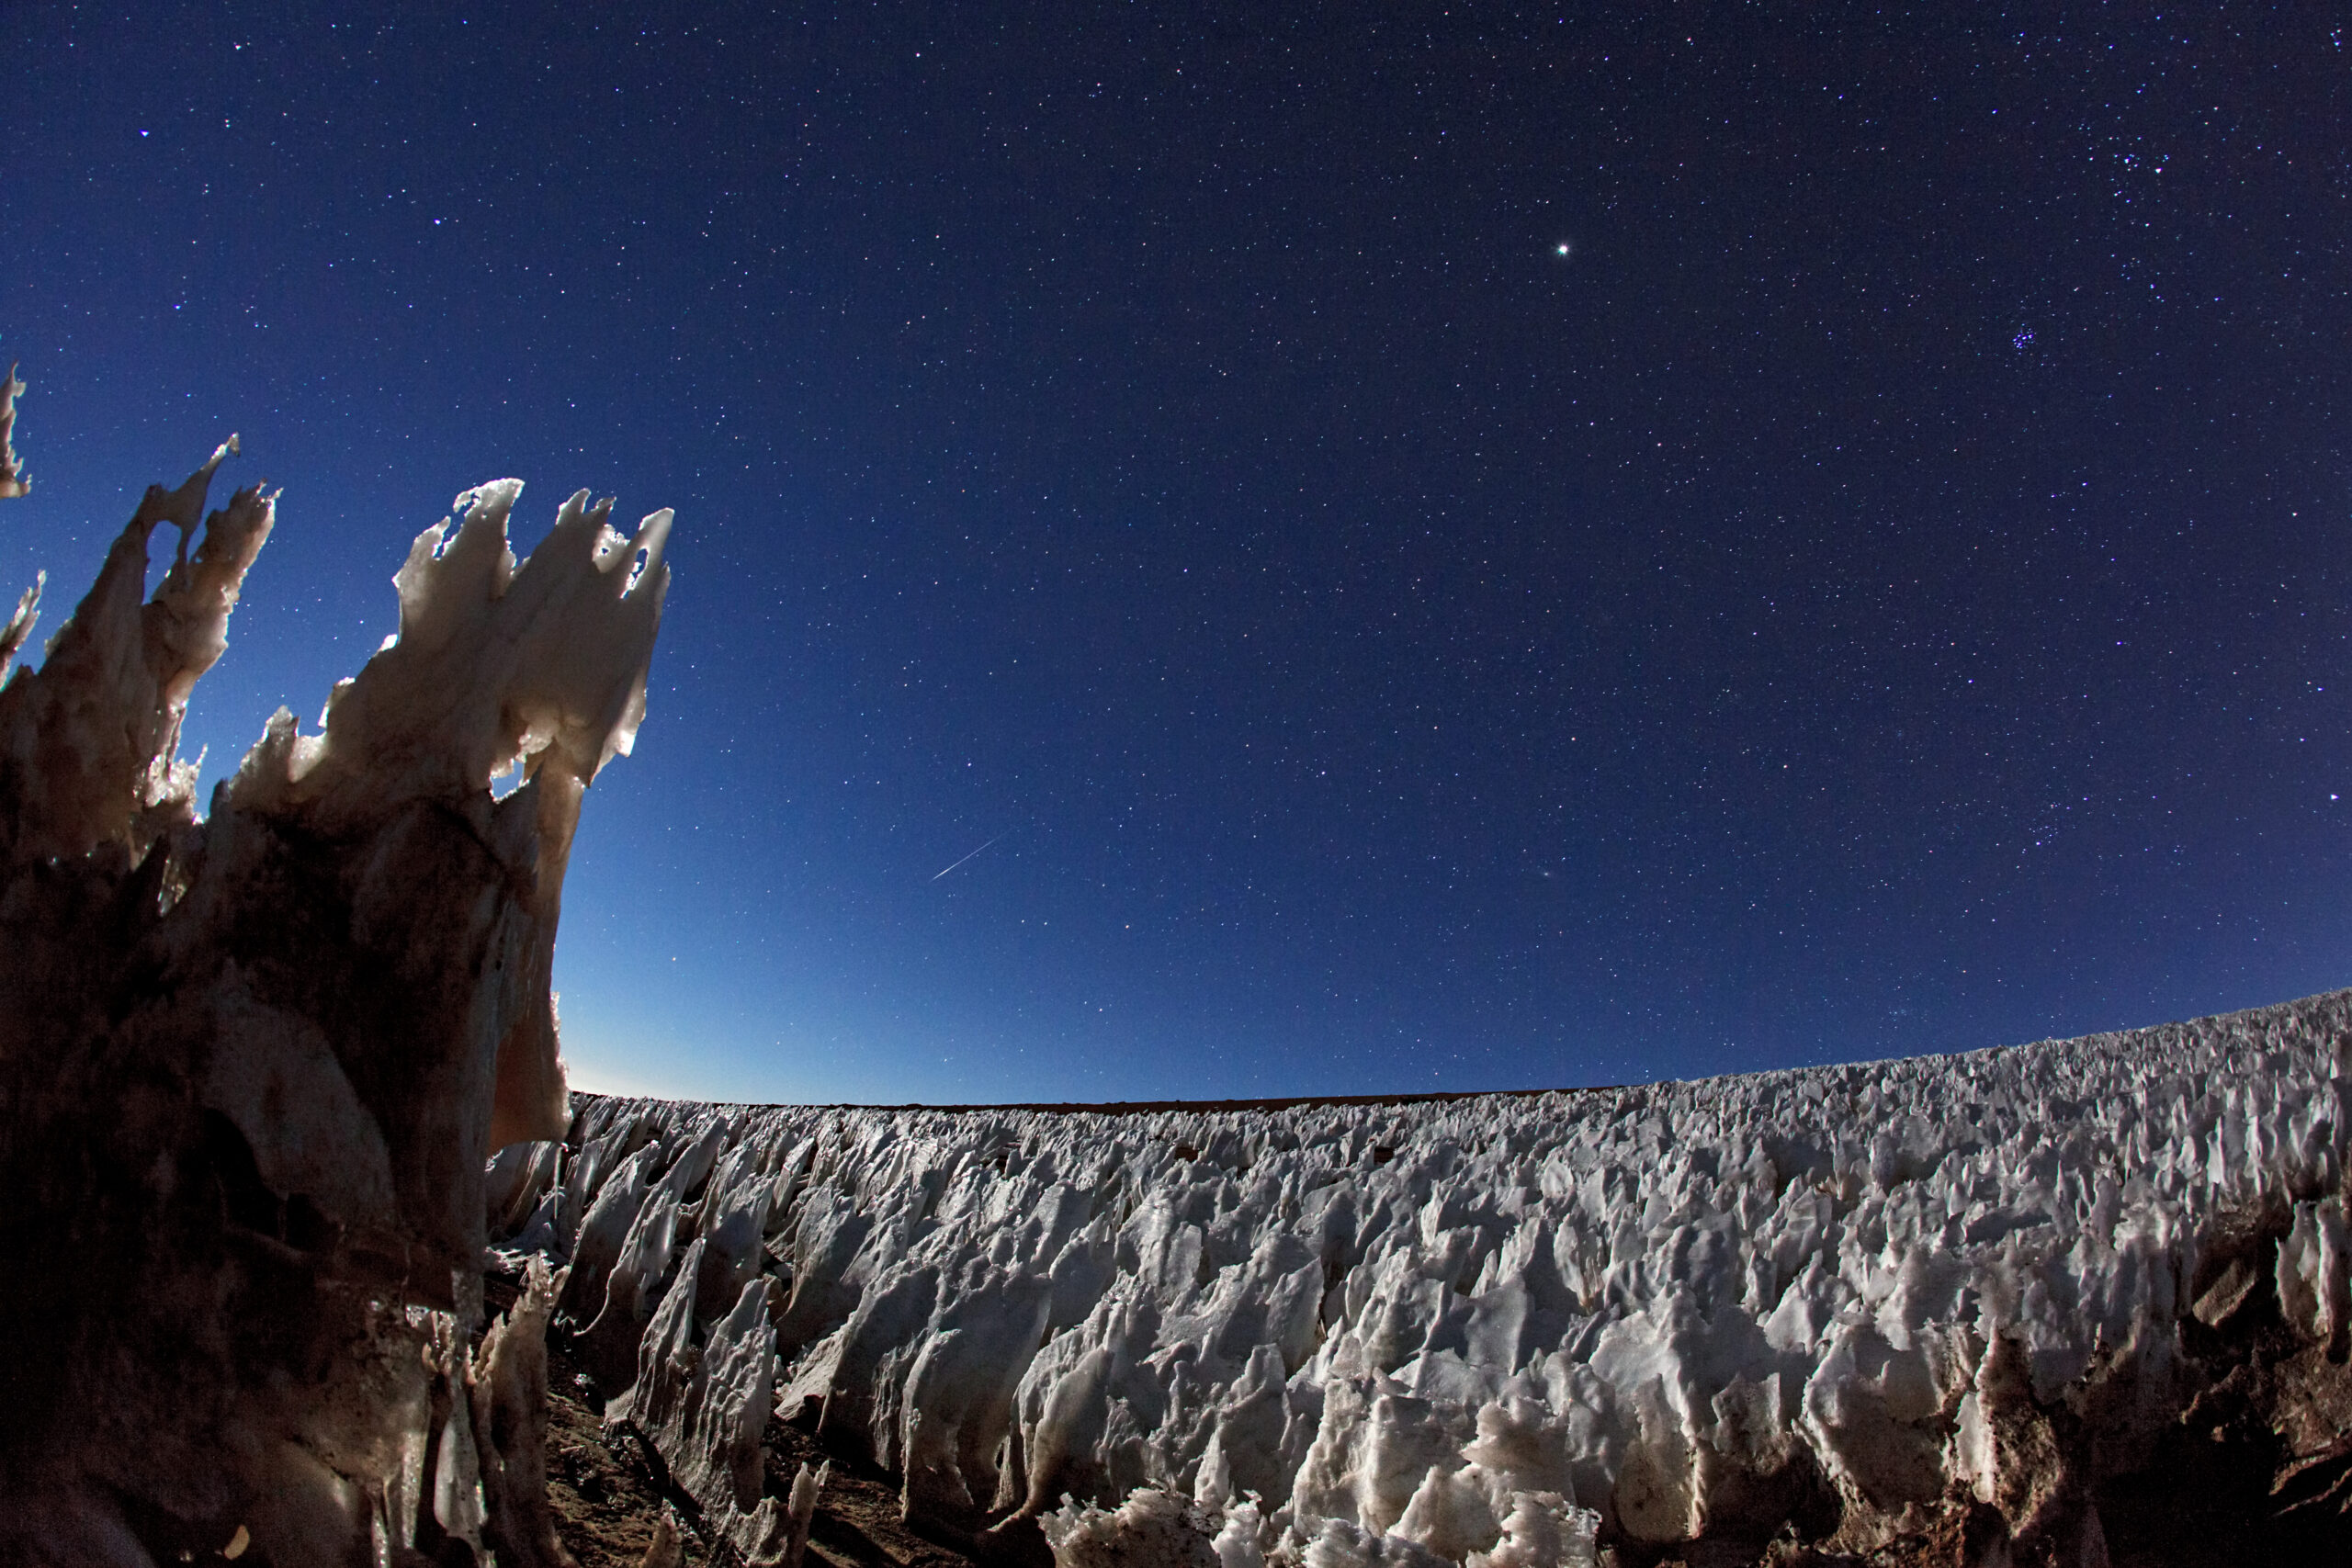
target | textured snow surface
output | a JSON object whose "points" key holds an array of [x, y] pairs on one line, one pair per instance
{"points": [[1483, 1331]]}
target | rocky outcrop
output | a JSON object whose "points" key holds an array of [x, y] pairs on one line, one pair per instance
{"points": [[254, 1064], [1929, 1311]]}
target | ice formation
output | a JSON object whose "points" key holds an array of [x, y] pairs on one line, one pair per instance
{"points": [[12, 473], [254, 1066], [1850, 1305]]}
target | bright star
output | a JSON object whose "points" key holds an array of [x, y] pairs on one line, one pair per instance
{"points": [[1561, 249]]}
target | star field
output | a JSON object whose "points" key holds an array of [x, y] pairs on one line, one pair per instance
{"points": [[1463, 550]]}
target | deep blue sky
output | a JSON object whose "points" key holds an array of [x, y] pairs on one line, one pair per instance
{"points": [[1883, 590]]}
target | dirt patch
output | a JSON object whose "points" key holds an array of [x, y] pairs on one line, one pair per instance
{"points": [[2258, 1470], [609, 1490], [857, 1514]]}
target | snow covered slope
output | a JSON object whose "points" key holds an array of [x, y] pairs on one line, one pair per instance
{"points": [[1836, 1304]]}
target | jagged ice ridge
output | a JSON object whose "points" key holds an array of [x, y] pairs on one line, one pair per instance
{"points": [[253, 1064], [1829, 1303]]}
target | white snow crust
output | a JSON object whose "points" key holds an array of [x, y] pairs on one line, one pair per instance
{"points": [[1480, 1332]]}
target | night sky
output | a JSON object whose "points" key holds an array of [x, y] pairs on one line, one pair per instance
{"points": [[1435, 550]]}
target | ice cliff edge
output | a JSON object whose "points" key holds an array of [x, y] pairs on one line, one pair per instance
{"points": [[253, 1064]]}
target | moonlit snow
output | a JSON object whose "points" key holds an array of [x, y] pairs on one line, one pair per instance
{"points": [[1491, 1331]]}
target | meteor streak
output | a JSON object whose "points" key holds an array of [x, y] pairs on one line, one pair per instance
{"points": [[974, 853]]}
